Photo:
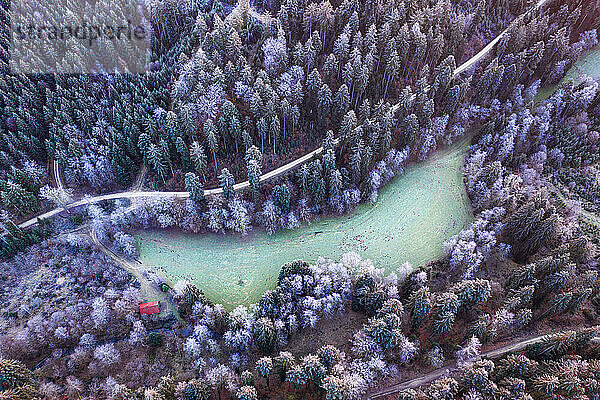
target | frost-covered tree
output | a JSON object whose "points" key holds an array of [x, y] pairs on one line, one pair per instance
{"points": [[138, 333], [247, 393], [100, 312], [107, 354], [469, 351], [222, 377], [227, 181], [194, 187], [276, 57], [263, 334], [59, 197]]}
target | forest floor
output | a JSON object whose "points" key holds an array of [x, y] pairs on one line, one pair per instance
{"points": [[337, 331]]}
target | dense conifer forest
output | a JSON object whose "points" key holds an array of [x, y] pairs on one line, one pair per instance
{"points": [[234, 92]]}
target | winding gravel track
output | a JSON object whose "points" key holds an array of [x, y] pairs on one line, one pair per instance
{"points": [[245, 184]]}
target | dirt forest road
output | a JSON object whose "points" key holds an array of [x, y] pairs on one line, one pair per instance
{"points": [[150, 291], [444, 371], [57, 177], [242, 185], [182, 195]]}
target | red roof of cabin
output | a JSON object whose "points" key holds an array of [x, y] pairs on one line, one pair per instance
{"points": [[149, 308]]}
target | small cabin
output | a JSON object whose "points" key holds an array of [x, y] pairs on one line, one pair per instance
{"points": [[149, 308]]}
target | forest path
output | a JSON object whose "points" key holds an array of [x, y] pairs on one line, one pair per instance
{"points": [[444, 371], [58, 177], [146, 287], [473, 60], [269, 175], [139, 180]]}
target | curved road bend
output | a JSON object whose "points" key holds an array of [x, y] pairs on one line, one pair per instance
{"points": [[182, 195], [245, 184]]}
